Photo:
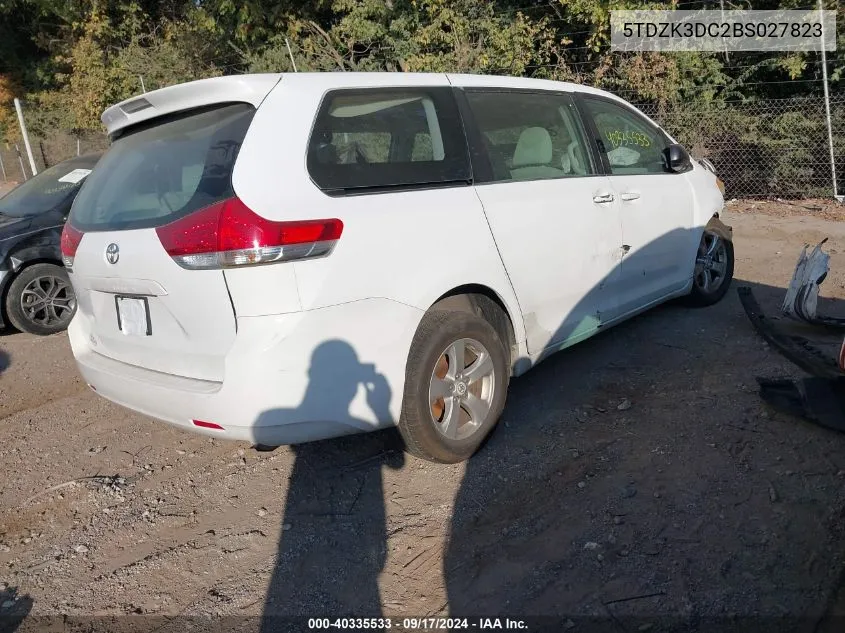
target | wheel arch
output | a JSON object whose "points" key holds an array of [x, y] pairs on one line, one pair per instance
{"points": [[37, 260], [26, 252], [715, 225], [487, 303]]}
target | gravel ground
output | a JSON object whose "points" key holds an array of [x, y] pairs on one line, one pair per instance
{"points": [[635, 476]]}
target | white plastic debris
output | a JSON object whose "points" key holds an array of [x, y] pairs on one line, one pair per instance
{"points": [[802, 295]]}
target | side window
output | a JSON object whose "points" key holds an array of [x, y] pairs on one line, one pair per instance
{"points": [[631, 143], [372, 147], [530, 136], [382, 138]]}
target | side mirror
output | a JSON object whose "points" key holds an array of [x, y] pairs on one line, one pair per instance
{"points": [[677, 159]]}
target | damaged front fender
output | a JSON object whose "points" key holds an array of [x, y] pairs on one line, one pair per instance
{"points": [[715, 225]]}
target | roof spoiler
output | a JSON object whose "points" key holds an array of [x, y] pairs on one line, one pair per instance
{"points": [[187, 96]]}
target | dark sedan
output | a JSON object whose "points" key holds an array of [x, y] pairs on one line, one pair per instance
{"points": [[35, 293]]}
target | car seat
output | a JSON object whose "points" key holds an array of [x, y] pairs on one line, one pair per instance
{"points": [[533, 156], [577, 160]]}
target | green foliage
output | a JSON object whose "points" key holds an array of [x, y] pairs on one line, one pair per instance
{"points": [[780, 149], [69, 59]]}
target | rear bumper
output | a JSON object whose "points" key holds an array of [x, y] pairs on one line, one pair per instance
{"points": [[289, 378]]}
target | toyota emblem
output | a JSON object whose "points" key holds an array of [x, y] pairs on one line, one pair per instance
{"points": [[112, 253]]}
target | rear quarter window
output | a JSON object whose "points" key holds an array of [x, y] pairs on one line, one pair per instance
{"points": [[164, 170], [385, 138]]}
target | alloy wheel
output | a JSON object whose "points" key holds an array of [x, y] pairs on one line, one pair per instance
{"points": [[461, 390], [48, 301], [711, 264]]}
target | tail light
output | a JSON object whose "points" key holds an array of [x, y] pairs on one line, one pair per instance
{"points": [[229, 234], [71, 238]]}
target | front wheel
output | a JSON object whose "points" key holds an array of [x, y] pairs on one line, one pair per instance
{"points": [[714, 269], [41, 300], [455, 386]]}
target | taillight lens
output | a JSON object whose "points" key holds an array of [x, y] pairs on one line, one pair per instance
{"points": [[229, 234], [71, 238]]}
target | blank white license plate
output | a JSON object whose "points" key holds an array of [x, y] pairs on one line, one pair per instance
{"points": [[133, 316]]}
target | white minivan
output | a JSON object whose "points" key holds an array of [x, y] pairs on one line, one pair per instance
{"points": [[286, 258]]}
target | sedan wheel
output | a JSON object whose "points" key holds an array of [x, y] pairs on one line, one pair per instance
{"points": [[48, 301], [41, 300]]}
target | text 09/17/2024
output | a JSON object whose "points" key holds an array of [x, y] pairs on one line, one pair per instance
{"points": [[417, 624]]}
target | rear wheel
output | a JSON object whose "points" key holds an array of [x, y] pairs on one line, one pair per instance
{"points": [[41, 300], [455, 386], [714, 269]]}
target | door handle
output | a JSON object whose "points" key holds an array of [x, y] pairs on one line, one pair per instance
{"points": [[603, 198], [631, 195]]}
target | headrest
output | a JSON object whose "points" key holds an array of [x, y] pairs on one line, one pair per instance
{"points": [[534, 147]]}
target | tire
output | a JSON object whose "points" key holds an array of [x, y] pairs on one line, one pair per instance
{"points": [[48, 287], [444, 429], [717, 266]]}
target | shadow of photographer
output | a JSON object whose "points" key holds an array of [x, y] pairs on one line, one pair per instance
{"points": [[333, 539], [13, 609]]}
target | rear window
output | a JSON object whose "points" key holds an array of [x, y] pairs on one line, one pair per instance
{"points": [[164, 170], [386, 138]]}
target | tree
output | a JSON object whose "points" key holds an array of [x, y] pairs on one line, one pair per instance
{"points": [[72, 58]]}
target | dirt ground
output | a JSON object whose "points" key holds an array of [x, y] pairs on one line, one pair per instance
{"points": [[634, 478]]}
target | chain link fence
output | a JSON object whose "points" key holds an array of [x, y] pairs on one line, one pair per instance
{"points": [[771, 148], [47, 150]]}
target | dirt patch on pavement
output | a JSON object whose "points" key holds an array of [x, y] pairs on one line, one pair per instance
{"points": [[634, 477], [817, 208]]}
